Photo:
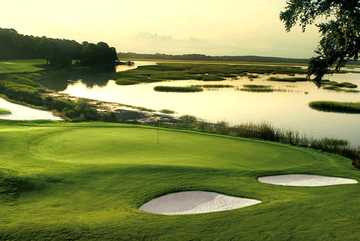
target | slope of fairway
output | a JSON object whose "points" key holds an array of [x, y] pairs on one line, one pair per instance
{"points": [[87, 181], [21, 66]]}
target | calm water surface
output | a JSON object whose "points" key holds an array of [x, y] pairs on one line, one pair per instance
{"points": [[19, 112], [123, 68], [287, 108]]}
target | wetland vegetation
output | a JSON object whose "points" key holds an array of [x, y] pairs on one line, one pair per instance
{"points": [[257, 88], [4, 111], [181, 89], [123, 143], [338, 107]]}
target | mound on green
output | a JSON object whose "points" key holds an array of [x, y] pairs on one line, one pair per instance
{"points": [[336, 107], [87, 181]]}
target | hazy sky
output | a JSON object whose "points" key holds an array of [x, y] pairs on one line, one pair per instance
{"points": [[216, 27]]}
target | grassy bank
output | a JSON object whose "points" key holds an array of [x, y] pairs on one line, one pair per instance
{"points": [[53, 189], [337, 107], [267, 132], [339, 86]]}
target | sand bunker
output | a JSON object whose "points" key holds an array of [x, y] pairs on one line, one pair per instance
{"points": [[195, 202], [297, 180]]}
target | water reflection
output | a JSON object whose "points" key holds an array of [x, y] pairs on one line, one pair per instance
{"points": [[61, 79], [123, 68], [288, 109]]}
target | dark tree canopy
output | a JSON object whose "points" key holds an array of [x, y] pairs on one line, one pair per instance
{"points": [[339, 24], [57, 52]]}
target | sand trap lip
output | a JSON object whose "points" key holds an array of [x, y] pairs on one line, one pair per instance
{"points": [[303, 180], [195, 202]]}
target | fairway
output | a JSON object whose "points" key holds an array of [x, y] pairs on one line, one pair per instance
{"points": [[87, 181], [21, 66]]}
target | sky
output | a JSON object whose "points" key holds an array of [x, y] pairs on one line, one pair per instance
{"points": [[213, 27]]}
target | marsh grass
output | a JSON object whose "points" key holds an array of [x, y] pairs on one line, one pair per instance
{"points": [[166, 111], [290, 79], [214, 86], [339, 87], [180, 89], [257, 88], [4, 111], [336, 107], [200, 71], [126, 82], [268, 132]]}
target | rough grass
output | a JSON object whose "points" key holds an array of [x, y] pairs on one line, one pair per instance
{"points": [[184, 89], [86, 181], [4, 111], [337, 107]]}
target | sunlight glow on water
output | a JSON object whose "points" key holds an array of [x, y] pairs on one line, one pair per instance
{"points": [[20, 112], [287, 109]]}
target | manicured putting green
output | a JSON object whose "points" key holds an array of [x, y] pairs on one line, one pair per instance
{"points": [[87, 181]]}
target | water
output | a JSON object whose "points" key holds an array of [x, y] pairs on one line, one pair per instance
{"points": [[123, 68], [288, 108], [19, 112]]}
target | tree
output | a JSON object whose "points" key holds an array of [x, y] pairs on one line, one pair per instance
{"points": [[57, 52], [339, 25]]}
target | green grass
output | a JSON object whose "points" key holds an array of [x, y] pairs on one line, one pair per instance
{"points": [[184, 89], [21, 66], [4, 111], [337, 107], [86, 181]]}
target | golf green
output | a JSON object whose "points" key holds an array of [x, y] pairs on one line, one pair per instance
{"points": [[87, 181]]}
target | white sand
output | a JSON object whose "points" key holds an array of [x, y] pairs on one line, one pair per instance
{"points": [[297, 180], [195, 202]]}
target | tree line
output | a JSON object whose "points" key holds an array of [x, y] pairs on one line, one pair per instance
{"points": [[57, 52]]}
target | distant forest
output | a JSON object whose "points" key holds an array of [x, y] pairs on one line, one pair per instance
{"points": [[57, 52], [202, 57]]}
